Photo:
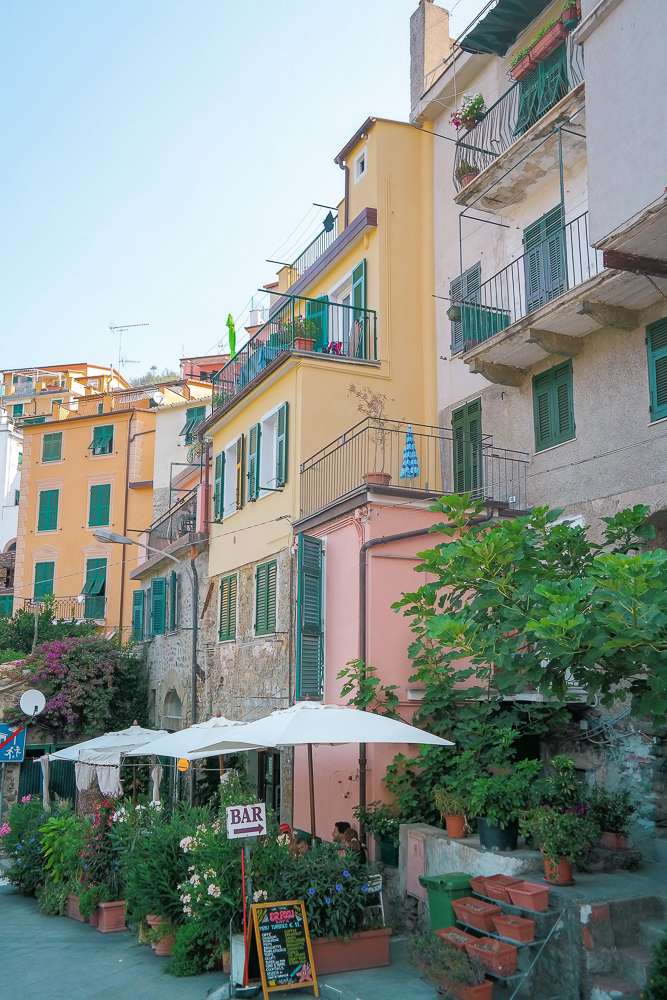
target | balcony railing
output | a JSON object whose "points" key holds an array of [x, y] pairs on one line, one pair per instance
{"points": [[179, 520], [516, 111], [373, 453], [299, 324], [71, 608], [315, 249], [549, 268]]}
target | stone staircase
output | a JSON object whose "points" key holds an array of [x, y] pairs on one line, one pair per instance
{"points": [[633, 958]]}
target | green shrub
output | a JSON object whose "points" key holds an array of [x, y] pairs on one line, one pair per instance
{"points": [[23, 844], [193, 951], [52, 898], [656, 988]]}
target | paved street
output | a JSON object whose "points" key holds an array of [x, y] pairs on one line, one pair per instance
{"points": [[53, 958]]}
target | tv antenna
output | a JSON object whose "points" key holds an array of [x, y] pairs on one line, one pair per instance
{"points": [[120, 330]]}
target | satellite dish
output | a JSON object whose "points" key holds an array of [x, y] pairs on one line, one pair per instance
{"points": [[32, 703]]}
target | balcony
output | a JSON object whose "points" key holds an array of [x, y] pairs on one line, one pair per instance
{"points": [[88, 608], [316, 248], [178, 522], [371, 457], [299, 324], [516, 142]]}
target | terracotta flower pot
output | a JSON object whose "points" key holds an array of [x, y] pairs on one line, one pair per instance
{"points": [[377, 478], [454, 936], [560, 874], [529, 896], [496, 956], [456, 827], [570, 17], [465, 179], [111, 917], [497, 886], [518, 929], [153, 920], [612, 841], [475, 913], [364, 950], [95, 918], [73, 910], [461, 992], [164, 946], [478, 885], [304, 343]]}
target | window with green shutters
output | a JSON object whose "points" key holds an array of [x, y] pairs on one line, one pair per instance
{"points": [[359, 298], [158, 606], [17, 409], [545, 86], [310, 628], [228, 586], [254, 439], [102, 443], [239, 454], [218, 485], [100, 500], [545, 270], [173, 600], [48, 510], [52, 447], [467, 444], [17, 497], [44, 574], [94, 588], [553, 406], [6, 605], [462, 287], [281, 444], [265, 598], [195, 416], [316, 323], [138, 598], [34, 420], [656, 343]]}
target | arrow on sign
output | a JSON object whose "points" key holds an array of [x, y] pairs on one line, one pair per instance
{"points": [[244, 831]]}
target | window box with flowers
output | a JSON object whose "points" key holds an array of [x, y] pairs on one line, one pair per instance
{"points": [[471, 112], [543, 44]]}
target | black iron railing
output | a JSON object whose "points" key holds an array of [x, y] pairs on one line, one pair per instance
{"points": [[563, 260], [299, 324], [178, 521], [379, 453], [315, 249], [70, 608], [516, 111]]}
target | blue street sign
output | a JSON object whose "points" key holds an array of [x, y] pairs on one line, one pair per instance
{"points": [[13, 751]]}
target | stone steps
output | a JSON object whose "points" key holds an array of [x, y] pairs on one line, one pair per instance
{"points": [[614, 988], [652, 931], [634, 964]]}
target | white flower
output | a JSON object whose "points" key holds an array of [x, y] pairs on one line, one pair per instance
{"points": [[214, 890], [186, 897], [139, 808], [191, 868], [209, 874], [195, 879], [187, 910], [284, 839], [260, 894]]}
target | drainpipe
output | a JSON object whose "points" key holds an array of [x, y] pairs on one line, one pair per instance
{"points": [[127, 491], [346, 214], [195, 613]]}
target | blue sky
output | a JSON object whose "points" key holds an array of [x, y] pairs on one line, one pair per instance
{"points": [[157, 151]]}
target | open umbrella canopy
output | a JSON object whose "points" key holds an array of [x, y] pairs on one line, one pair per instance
{"points": [[109, 748], [186, 743], [312, 722]]}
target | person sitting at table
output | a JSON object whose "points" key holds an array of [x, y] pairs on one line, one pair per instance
{"points": [[350, 841], [338, 831]]}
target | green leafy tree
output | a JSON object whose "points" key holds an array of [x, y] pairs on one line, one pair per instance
{"points": [[18, 632]]}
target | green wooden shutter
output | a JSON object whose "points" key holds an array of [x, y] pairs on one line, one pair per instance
{"points": [[359, 299], [545, 86], [52, 447], [240, 455], [158, 601], [138, 614], [265, 598], [218, 486], [316, 321], [17, 409], [474, 411], [281, 445], [94, 588], [544, 259], [656, 341], [6, 605], [48, 510], [228, 608], [529, 99], [100, 500], [44, 574], [254, 439], [459, 443], [462, 293], [173, 600], [310, 633], [467, 445], [553, 406]]}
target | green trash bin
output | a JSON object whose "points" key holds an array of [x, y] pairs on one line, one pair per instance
{"points": [[442, 889]]}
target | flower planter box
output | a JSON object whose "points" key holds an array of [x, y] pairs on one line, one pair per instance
{"points": [[497, 886], [475, 913], [364, 950], [377, 478], [460, 992], [95, 919], [529, 896], [454, 936], [111, 917], [478, 884], [73, 910], [612, 841], [496, 956], [518, 929], [549, 42], [524, 67]]}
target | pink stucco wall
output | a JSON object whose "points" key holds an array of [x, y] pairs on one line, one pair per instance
{"points": [[390, 573]]}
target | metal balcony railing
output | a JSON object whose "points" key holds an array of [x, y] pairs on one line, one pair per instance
{"points": [[70, 608], [316, 248], [178, 521], [563, 260], [516, 111], [299, 324], [373, 453]]}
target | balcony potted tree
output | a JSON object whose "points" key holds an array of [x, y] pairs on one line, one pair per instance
{"points": [[612, 811], [372, 405], [466, 172], [564, 837], [443, 964]]}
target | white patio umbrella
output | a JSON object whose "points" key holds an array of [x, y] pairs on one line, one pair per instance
{"points": [[185, 744], [109, 748], [311, 722]]}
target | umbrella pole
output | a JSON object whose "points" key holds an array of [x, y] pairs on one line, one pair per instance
{"points": [[311, 785]]}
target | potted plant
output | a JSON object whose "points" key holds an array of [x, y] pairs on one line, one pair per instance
{"points": [[498, 957], [564, 838], [543, 44], [100, 890], [465, 173], [500, 792], [304, 332], [612, 811], [380, 820], [63, 842], [452, 808], [443, 964], [471, 112], [372, 405], [570, 14], [454, 313]]}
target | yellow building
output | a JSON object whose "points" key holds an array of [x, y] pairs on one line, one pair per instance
{"points": [[30, 393], [90, 464]]}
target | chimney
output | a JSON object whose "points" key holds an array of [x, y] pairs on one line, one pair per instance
{"points": [[430, 45]]}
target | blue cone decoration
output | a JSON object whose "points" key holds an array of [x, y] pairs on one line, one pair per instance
{"points": [[410, 465]]}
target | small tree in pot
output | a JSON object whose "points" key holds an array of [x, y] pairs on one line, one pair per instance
{"points": [[612, 811], [372, 405]]}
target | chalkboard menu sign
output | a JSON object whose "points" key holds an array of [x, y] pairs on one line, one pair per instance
{"points": [[283, 945]]}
